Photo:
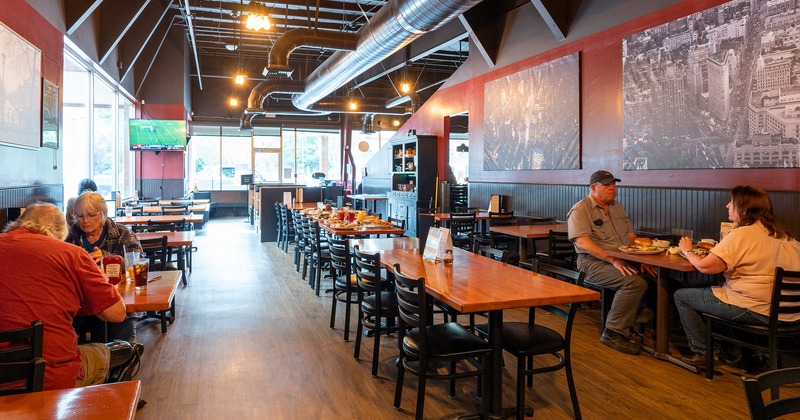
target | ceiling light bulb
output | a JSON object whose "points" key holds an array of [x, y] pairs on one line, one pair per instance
{"points": [[405, 87], [353, 105], [396, 123], [257, 22], [239, 79], [234, 102]]}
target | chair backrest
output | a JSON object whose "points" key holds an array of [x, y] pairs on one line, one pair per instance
{"points": [[286, 217], [786, 292], [755, 386], [559, 246], [574, 277], [412, 304], [340, 256], [156, 251], [21, 359], [493, 253], [502, 219], [153, 226], [172, 210], [181, 203], [537, 220], [368, 272], [147, 203], [462, 223], [278, 214]]}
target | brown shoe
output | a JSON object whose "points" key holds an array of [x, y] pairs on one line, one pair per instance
{"points": [[695, 359], [619, 342]]}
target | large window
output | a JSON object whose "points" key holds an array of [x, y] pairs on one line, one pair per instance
{"points": [[95, 144], [219, 156]]}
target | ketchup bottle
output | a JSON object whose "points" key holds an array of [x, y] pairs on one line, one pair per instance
{"points": [[113, 267]]}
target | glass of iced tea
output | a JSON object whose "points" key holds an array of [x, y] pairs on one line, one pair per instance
{"points": [[140, 271]]}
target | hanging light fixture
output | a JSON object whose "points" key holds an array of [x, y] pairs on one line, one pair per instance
{"points": [[239, 79], [257, 17], [234, 102], [240, 76]]}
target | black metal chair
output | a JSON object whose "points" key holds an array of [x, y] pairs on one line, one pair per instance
{"points": [[21, 363], [375, 303], [170, 210], [287, 231], [320, 256], [279, 216], [400, 223], [524, 340], [423, 345], [462, 229], [775, 407], [778, 337], [344, 283], [157, 251]]}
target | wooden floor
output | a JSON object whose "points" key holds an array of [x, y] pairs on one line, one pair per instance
{"points": [[251, 341]]}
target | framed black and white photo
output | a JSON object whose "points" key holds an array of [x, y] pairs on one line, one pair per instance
{"points": [[20, 91], [49, 114]]}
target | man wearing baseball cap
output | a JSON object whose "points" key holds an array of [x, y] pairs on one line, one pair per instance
{"points": [[598, 223]]}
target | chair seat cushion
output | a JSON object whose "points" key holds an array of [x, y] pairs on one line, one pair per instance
{"points": [[446, 340], [388, 303], [341, 282], [523, 338]]}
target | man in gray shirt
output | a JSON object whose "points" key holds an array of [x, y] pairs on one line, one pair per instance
{"points": [[598, 223]]}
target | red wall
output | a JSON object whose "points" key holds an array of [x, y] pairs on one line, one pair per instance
{"points": [[601, 120], [150, 164]]}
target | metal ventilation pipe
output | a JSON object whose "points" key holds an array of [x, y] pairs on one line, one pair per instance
{"points": [[364, 107], [278, 59], [397, 24], [413, 97], [263, 90]]}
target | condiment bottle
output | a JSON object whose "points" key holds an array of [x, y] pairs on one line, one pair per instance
{"points": [[112, 265], [448, 257]]}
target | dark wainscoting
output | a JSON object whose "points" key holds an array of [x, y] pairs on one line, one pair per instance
{"points": [[152, 188], [13, 198], [650, 209]]}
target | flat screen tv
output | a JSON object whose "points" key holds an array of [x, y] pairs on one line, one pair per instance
{"points": [[157, 134]]}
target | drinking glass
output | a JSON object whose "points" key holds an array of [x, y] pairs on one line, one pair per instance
{"points": [[140, 271], [128, 212]]}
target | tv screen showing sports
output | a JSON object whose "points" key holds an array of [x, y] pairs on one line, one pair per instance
{"points": [[157, 134]]}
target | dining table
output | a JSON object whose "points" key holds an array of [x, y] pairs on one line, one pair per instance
{"points": [[373, 245], [159, 296], [96, 402], [473, 284], [178, 240], [383, 229], [366, 198], [142, 220], [525, 232], [664, 262]]}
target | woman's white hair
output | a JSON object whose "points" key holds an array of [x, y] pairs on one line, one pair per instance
{"points": [[92, 202], [44, 218]]}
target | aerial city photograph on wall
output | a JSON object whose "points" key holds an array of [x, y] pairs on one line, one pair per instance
{"points": [[716, 89]]}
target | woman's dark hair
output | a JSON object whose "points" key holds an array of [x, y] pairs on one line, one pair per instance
{"points": [[753, 205], [86, 185]]}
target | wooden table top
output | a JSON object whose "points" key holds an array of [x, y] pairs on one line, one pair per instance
{"points": [[180, 238], [372, 245], [672, 262], [446, 216], [374, 197], [382, 230], [156, 297], [97, 402], [169, 202], [303, 206], [142, 220], [476, 284], [529, 231], [198, 208]]}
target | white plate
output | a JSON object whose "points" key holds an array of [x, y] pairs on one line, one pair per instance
{"points": [[638, 251]]}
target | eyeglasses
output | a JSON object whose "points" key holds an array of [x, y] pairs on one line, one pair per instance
{"points": [[87, 216]]}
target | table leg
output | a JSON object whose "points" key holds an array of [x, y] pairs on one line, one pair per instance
{"points": [[523, 249], [493, 379], [661, 350]]}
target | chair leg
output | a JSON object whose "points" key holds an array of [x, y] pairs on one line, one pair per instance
{"points": [[422, 378], [398, 388], [349, 297], [359, 329], [376, 348], [521, 379], [452, 388], [333, 310], [573, 394], [319, 278], [709, 351]]}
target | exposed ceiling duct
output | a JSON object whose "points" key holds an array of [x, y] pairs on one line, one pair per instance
{"points": [[263, 90], [363, 106], [397, 24], [413, 97], [278, 59]]}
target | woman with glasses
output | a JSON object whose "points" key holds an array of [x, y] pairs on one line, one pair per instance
{"points": [[95, 232]]}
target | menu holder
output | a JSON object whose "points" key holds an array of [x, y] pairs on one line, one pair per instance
{"points": [[494, 203], [287, 198], [437, 244], [724, 228]]}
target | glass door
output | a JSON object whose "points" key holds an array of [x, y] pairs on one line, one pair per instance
{"points": [[267, 154]]}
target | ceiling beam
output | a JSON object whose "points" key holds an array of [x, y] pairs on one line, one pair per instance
{"points": [[77, 11], [484, 24], [115, 20], [556, 15], [132, 45]]}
